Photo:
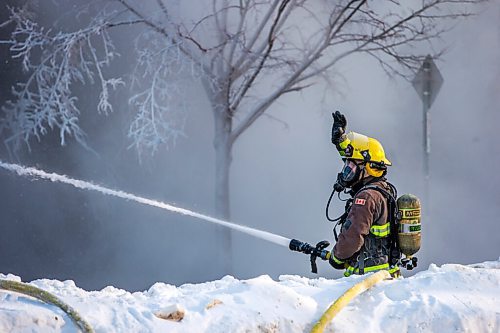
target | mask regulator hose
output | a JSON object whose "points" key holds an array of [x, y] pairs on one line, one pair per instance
{"points": [[315, 252]]}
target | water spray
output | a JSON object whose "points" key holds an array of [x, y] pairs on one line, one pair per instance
{"points": [[293, 244], [32, 172]]}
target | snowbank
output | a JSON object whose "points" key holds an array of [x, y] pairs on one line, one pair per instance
{"points": [[451, 298]]}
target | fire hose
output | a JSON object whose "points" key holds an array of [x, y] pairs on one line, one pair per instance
{"points": [[319, 251], [346, 297], [47, 297]]}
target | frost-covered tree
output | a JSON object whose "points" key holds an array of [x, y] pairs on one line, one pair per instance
{"points": [[246, 54]]}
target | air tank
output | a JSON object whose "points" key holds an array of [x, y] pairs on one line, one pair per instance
{"points": [[409, 233]]}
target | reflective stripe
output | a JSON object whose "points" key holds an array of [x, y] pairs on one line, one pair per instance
{"points": [[351, 270], [395, 271], [392, 270], [344, 143], [381, 230], [337, 260]]}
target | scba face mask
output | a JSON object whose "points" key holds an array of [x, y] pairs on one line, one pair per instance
{"points": [[348, 175]]}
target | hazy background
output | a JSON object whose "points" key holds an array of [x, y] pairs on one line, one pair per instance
{"points": [[281, 176]]}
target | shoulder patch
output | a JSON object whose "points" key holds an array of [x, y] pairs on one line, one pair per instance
{"points": [[359, 201]]}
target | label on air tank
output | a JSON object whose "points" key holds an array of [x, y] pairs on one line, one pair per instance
{"points": [[405, 228], [409, 213]]}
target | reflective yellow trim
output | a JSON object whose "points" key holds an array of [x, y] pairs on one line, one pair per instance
{"points": [[381, 230], [351, 270], [328, 255], [344, 143], [337, 260], [393, 269]]}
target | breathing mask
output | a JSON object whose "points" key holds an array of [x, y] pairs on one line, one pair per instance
{"points": [[348, 176]]}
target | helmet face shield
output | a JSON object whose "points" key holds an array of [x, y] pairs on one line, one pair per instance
{"points": [[348, 176], [349, 172]]}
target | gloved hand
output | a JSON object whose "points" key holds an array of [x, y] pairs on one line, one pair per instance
{"points": [[336, 263], [338, 127]]}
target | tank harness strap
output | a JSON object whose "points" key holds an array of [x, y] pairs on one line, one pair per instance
{"points": [[361, 263], [342, 218], [392, 206], [387, 230], [340, 222]]}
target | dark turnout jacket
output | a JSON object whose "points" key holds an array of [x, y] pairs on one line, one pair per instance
{"points": [[364, 233]]}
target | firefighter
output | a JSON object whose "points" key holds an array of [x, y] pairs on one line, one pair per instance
{"points": [[364, 243]]}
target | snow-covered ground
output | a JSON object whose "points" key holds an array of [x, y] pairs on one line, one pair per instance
{"points": [[451, 298]]}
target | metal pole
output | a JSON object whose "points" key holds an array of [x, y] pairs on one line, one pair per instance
{"points": [[427, 83], [427, 129], [426, 145], [426, 151]]}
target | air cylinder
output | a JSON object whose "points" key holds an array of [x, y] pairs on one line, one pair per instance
{"points": [[409, 233]]}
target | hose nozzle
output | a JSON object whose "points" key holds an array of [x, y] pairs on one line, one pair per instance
{"points": [[318, 251], [296, 245]]}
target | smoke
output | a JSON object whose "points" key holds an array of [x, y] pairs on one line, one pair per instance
{"points": [[460, 224], [283, 171]]}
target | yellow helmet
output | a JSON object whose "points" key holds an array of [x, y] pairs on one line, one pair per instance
{"points": [[360, 147]]}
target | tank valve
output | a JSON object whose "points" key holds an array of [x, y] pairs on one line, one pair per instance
{"points": [[409, 263]]}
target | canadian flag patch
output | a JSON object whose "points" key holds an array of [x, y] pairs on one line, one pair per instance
{"points": [[360, 202]]}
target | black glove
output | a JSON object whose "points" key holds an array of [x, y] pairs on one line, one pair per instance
{"points": [[338, 127], [335, 264]]}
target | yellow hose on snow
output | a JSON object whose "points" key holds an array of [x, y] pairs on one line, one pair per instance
{"points": [[346, 297], [47, 297]]}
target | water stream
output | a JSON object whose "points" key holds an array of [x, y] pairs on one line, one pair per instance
{"points": [[32, 172]]}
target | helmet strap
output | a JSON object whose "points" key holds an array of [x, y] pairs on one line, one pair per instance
{"points": [[363, 172], [360, 175]]}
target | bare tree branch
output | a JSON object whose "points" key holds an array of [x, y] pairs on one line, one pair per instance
{"points": [[163, 8], [400, 32], [165, 33], [247, 53], [270, 43]]}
